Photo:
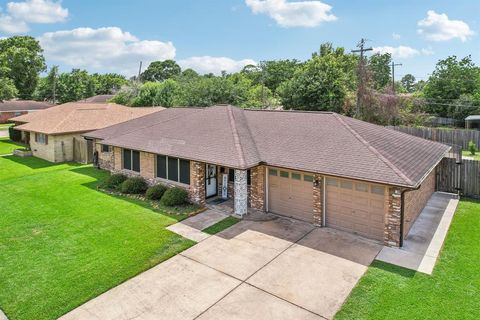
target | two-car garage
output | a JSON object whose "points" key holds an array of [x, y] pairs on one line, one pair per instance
{"points": [[352, 206]]}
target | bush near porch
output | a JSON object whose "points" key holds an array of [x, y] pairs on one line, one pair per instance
{"points": [[451, 292], [62, 242]]}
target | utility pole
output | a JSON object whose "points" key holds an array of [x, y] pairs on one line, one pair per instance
{"points": [[54, 85], [362, 50], [139, 71], [393, 75]]}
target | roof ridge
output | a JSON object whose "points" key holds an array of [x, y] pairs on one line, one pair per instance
{"points": [[236, 138], [397, 171]]}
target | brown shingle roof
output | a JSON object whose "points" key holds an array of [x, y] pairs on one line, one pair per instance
{"points": [[325, 143], [79, 117], [23, 105]]}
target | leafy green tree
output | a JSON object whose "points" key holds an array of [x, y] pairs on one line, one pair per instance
{"points": [[108, 83], [7, 89], [408, 82], [277, 71], [74, 86], [46, 87], [379, 66], [168, 93], [189, 74], [23, 57], [322, 83], [161, 70]]}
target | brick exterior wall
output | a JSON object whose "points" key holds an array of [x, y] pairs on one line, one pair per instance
{"points": [[197, 182], [5, 116], [393, 217], [416, 200], [257, 188], [147, 165], [106, 160], [318, 200]]}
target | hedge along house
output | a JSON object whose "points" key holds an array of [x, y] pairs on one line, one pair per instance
{"points": [[319, 167], [54, 134]]}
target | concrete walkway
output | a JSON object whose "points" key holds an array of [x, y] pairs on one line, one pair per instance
{"points": [[277, 269], [192, 227], [424, 242]]}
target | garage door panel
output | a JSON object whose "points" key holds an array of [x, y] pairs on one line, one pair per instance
{"points": [[289, 196], [355, 209]]}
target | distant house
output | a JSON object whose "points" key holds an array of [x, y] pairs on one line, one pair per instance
{"points": [[472, 122], [55, 134], [15, 108], [320, 167], [103, 98]]}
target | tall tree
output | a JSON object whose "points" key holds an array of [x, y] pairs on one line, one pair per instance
{"points": [[408, 82], [161, 70], [47, 86], [74, 86], [23, 57], [7, 89], [379, 66], [108, 83]]}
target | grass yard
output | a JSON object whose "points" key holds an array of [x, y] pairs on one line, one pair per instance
{"points": [[5, 126], [452, 292], [7, 146], [468, 154], [62, 242], [221, 225]]}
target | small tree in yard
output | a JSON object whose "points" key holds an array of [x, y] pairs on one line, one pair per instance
{"points": [[472, 148]]}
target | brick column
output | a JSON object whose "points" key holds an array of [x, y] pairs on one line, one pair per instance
{"points": [[318, 200], [393, 218], [117, 158], [147, 165], [257, 188], [241, 192], [197, 182]]}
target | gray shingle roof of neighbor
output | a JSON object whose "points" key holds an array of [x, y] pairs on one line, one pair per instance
{"points": [[473, 117], [321, 142], [23, 105]]}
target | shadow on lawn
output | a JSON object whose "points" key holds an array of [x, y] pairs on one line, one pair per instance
{"points": [[100, 175], [36, 163], [403, 272]]}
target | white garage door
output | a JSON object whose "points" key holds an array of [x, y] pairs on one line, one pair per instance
{"points": [[290, 193], [356, 207]]}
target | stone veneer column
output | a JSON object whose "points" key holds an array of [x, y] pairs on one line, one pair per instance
{"points": [[318, 200], [241, 192], [257, 188], [147, 165], [197, 182], [117, 158], [393, 218]]}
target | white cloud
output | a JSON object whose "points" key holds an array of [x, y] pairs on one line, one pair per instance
{"points": [[20, 14], [396, 36], [437, 27], [215, 65], [103, 49], [293, 14], [427, 51], [402, 52]]}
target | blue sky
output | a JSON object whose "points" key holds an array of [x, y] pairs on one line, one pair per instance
{"points": [[210, 35]]}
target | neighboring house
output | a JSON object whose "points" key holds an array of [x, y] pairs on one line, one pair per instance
{"points": [[320, 167], [55, 134], [15, 108], [472, 122], [103, 98]]}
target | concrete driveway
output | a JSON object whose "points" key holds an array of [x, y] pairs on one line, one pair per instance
{"points": [[276, 269]]}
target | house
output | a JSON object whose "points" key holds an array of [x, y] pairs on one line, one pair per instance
{"points": [[320, 167], [15, 108], [55, 134], [472, 122]]}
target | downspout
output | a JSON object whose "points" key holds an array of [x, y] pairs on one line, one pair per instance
{"points": [[324, 205]]}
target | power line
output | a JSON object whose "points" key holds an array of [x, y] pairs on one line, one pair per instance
{"points": [[361, 49], [393, 75]]}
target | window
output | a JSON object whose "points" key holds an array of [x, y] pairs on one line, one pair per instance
{"points": [[131, 160], [249, 178], [41, 138], [346, 184], [284, 174], [105, 148], [332, 182], [296, 176], [18, 114], [231, 175], [378, 190], [272, 172], [308, 178], [363, 187], [173, 169]]}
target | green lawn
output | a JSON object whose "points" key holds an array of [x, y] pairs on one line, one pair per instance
{"points": [[7, 146], [221, 225], [468, 154], [62, 242], [452, 292], [5, 126]]}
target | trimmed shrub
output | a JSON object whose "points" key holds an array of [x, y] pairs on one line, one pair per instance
{"points": [[472, 148], [174, 197], [156, 192], [114, 181], [135, 185]]}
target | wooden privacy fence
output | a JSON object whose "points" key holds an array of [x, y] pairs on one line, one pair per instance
{"points": [[82, 151], [448, 136], [461, 177]]}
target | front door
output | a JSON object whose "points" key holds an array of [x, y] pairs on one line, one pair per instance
{"points": [[211, 180]]}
